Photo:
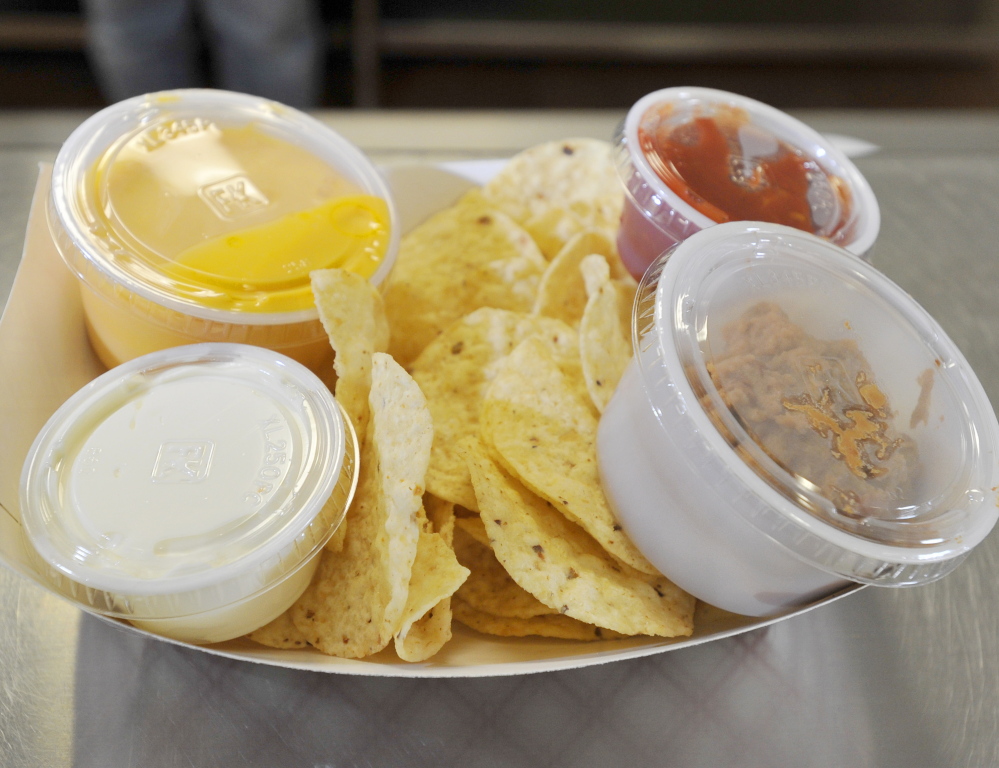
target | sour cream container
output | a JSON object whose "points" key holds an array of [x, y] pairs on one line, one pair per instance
{"points": [[793, 421], [656, 217], [196, 215], [189, 491]]}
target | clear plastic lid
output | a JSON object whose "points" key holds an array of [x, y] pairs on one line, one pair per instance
{"points": [[215, 203], [830, 392], [711, 156], [187, 480]]}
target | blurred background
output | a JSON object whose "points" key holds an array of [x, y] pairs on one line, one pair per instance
{"points": [[578, 54]]}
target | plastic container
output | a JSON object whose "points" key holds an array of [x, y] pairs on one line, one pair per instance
{"points": [[189, 491], [792, 420], [655, 217], [195, 215]]}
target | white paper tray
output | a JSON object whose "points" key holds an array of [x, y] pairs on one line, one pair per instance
{"points": [[45, 358]]}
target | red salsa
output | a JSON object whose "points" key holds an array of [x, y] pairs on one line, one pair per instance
{"points": [[731, 170]]}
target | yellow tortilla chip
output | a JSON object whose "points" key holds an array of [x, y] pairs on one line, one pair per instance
{"points": [[473, 527], [489, 588], [544, 430], [335, 544], [561, 627], [562, 566], [604, 341], [562, 292], [426, 620], [440, 515], [280, 633], [353, 315], [559, 189], [355, 603], [433, 630], [626, 290], [465, 257], [430, 632], [454, 371]]}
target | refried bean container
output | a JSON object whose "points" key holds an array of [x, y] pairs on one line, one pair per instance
{"points": [[793, 420], [752, 148], [189, 491], [195, 216]]}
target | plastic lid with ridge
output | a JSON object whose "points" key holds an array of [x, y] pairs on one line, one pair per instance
{"points": [[868, 443], [694, 157], [218, 205], [186, 481]]}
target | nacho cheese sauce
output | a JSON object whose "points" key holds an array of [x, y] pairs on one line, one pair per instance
{"points": [[814, 406], [729, 169], [232, 218]]}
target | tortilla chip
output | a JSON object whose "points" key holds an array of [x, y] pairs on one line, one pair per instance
{"points": [[562, 566], [558, 626], [426, 620], [489, 588], [280, 633], [454, 372], [355, 603], [353, 315], [440, 516], [562, 291], [559, 189], [473, 528], [544, 430], [465, 257], [430, 632], [335, 544], [604, 340]]}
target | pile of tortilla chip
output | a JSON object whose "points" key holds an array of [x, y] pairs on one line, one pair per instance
{"points": [[475, 381]]}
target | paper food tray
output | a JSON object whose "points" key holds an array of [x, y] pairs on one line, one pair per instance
{"points": [[46, 357]]}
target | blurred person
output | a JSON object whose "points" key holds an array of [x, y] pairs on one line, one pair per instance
{"points": [[270, 48]]}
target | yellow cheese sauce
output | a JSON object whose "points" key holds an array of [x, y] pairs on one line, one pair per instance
{"points": [[233, 218], [266, 268]]}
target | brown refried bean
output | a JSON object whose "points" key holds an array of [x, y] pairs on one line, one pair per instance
{"points": [[815, 408]]}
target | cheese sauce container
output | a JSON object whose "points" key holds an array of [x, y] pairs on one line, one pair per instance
{"points": [[197, 215], [694, 157], [791, 421], [189, 491]]}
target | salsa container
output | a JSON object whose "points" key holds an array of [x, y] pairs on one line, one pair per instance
{"points": [[655, 217]]}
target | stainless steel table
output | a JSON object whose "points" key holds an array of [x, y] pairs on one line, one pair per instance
{"points": [[881, 678]]}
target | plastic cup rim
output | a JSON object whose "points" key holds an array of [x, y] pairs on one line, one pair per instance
{"points": [[792, 129], [62, 211], [895, 554], [96, 391]]}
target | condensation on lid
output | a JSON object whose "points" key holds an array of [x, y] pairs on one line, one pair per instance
{"points": [[714, 129], [833, 385], [723, 162], [187, 468], [211, 201]]}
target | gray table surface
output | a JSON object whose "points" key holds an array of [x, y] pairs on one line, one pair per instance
{"points": [[881, 678]]}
